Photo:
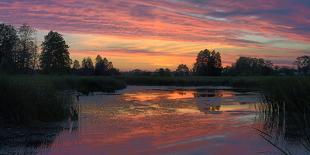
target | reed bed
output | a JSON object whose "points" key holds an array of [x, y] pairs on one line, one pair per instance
{"points": [[25, 99], [286, 110]]}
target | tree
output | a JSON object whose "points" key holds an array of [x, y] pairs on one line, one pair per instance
{"points": [[284, 71], [228, 71], [182, 70], [101, 66], [114, 71], [138, 72], [76, 65], [252, 66], [303, 64], [208, 63], [26, 54], [163, 72], [87, 66], [8, 42], [104, 66], [55, 55]]}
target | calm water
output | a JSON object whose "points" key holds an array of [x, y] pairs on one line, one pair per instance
{"points": [[154, 120]]}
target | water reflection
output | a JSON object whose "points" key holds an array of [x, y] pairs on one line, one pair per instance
{"points": [[29, 140], [153, 95], [158, 94], [164, 120]]}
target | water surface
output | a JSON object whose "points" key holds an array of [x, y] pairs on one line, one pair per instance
{"points": [[156, 120]]}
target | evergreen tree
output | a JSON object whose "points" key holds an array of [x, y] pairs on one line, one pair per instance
{"points": [[55, 55]]}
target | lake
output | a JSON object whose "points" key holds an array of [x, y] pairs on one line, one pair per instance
{"points": [[156, 120]]}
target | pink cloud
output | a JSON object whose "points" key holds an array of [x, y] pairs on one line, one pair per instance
{"points": [[212, 21]]}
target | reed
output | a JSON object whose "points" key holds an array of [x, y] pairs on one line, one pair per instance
{"points": [[286, 110], [25, 99]]}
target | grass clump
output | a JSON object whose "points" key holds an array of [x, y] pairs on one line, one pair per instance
{"points": [[286, 110], [86, 85], [26, 101]]}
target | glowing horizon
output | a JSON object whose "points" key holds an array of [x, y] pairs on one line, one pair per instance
{"points": [[152, 34]]}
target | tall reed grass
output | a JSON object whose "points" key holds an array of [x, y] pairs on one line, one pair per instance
{"points": [[286, 110], [25, 99]]}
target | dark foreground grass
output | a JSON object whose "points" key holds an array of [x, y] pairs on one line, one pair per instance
{"points": [[286, 111], [25, 99], [80, 84], [87, 85]]}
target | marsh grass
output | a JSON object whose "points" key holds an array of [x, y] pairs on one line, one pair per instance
{"points": [[26, 99], [87, 85], [286, 110]]}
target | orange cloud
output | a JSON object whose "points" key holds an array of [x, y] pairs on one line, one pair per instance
{"points": [[164, 33]]}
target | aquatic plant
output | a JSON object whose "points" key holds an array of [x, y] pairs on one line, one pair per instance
{"points": [[286, 110], [26, 101]]}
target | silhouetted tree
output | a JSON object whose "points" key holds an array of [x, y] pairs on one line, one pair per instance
{"points": [[252, 66], [26, 54], [303, 64], [8, 42], [114, 71], [182, 70], [87, 66], [55, 55], [105, 67], [138, 72], [102, 66], [284, 71], [163, 72], [76, 66], [228, 71], [267, 67], [208, 63]]}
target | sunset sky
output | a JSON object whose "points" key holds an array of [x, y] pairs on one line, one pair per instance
{"points": [[149, 34]]}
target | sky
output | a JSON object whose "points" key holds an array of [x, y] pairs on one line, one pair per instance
{"points": [[149, 34]]}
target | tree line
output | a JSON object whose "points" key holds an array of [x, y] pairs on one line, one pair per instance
{"points": [[19, 54], [102, 67], [209, 63], [18, 50]]}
